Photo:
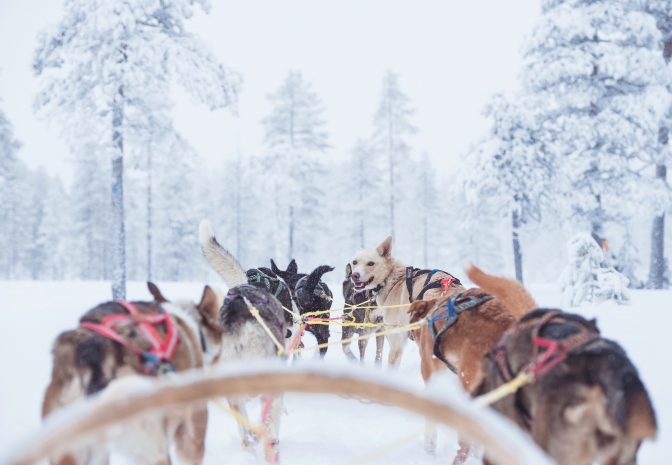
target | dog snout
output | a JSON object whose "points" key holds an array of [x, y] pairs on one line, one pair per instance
{"points": [[355, 276]]}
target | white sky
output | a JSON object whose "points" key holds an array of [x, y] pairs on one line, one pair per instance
{"points": [[452, 56]]}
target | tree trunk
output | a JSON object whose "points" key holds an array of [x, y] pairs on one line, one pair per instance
{"points": [[149, 215], [391, 194], [517, 252], [657, 266], [118, 234]]}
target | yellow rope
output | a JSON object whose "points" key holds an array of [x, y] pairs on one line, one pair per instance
{"points": [[382, 307], [505, 389], [240, 418], [347, 323], [402, 329], [255, 313]]}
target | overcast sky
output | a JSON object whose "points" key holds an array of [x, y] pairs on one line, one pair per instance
{"points": [[452, 56]]}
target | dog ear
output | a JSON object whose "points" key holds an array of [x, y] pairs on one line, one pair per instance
{"points": [[210, 305], [154, 290], [293, 267], [274, 268], [348, 271], [420, 308], [641, 417], [385, 247]]}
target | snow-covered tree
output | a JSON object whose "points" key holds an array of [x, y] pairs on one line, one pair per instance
{"points": [[427, 202], [661, 10], [392, 126], [510, 171], [295, 138], [595, 77], [107, 65]]}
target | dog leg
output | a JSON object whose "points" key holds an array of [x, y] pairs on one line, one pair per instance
{"points": [[247, 436], [464, 453], [271, 414], [429, 441], [397, 342], [190, 436], [362, 343], [348, 331], [380, 342]]}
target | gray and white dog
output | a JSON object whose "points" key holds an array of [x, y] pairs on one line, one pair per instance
{"points": [[244, 337]]}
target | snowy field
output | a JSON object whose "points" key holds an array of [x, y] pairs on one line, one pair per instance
{"points": [[317, 429]]}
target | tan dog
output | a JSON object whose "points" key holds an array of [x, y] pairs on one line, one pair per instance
{"points": [[465, 343], [86, 362], [379, 270]]}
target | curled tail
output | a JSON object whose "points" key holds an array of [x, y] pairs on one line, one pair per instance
{"points": [[508, 291], [219, 258]]}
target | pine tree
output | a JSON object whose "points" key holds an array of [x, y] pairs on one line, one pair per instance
{"points": [[661, 10], [295, 139], [391, 127], [593, 72], [510, 170], [117, 61]]}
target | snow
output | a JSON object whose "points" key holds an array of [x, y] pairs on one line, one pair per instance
{"points": [[317, 429]]}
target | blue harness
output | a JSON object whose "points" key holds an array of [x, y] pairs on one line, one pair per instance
{"points": [[450, 313]]}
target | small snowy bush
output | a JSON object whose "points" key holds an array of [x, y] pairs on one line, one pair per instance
{"points": [[587, 278]]}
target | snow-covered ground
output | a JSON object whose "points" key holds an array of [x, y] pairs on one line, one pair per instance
{"points": [[317, 429]]}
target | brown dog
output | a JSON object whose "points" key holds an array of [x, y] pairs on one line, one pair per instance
{"points": [[464, 344], [587, 403], [86, 362]]}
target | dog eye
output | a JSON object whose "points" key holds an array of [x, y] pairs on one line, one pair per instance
{"points": [[354, 262], [370, 263]]}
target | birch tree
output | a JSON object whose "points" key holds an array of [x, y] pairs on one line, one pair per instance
{"points": [[391, 127], [108, 64], [295, 138]]}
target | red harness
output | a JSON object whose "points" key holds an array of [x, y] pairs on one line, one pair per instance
{"points": [[157, 360], [546, 353]]}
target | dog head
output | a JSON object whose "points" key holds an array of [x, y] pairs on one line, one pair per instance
{"points": [[290, 276], [205, 314], [236, 310], [420, 309], [371, 267]]}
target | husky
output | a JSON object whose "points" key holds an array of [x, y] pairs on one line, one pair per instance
{"points": [[361, 315], [245, 338], [86, 362], [590, 407], [390, 279], [310, 295]]}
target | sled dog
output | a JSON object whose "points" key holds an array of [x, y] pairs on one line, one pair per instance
{"points": [[587, 403], [86, 362], [460, 329], [310, 295], [360, 315], [379, 271], [244, 337]]}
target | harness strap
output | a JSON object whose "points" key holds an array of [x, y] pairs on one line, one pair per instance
{"points": [[259, 275], [450, 314], [428, 285], [158, 358]]}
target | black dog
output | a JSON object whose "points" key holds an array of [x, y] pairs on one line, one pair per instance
{"points": [[310, 295], [264, 277]]}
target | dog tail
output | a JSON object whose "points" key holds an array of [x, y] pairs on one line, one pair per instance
{"points": [[508, 291], [315, 277], [219, 258]]}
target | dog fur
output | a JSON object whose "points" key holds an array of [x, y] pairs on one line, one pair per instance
{"points": [[378, 269], [310, 295], [226, 265], [590, 408], [464, 345], [243, 336], [361, 315], [244, 339], [85, 363]]}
